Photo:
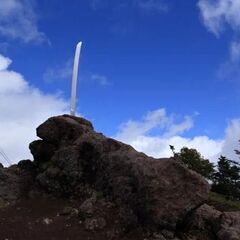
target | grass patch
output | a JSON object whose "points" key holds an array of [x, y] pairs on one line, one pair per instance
{"points": [[221, 203]]}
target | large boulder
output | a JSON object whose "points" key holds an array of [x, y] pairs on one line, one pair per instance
{"points": [[159, 192], [203, 223], [207, 223], [229, 226]]}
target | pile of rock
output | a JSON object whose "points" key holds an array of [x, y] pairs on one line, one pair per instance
{"points": [[160, 195]]}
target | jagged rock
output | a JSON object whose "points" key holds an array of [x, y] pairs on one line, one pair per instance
{"points": [[158, 192], [9, 185], [207, 223], [42, 151], [14, 183], [203, 223], [59, 130], [229, 226], [115, 188], [204, 218]]}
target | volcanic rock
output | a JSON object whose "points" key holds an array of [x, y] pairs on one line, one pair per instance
{"points": [[109, 189], [14, 182], [159, 192]]}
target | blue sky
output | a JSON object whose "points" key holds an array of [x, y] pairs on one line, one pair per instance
{"points": [[141, 59]]}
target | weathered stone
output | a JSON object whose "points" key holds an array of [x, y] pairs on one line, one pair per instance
{"points": [[202, 223], [63, 129], [229, 226], [204, 218], [9, 185], [159, 192], [42, 151], [116, 185]]}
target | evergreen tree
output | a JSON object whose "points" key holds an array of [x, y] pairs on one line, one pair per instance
{"points": [[193, 159], [227, 178]]}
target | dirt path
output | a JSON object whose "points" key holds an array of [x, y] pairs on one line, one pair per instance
{"points": [[40, 219]]}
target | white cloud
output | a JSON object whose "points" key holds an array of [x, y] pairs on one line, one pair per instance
{"points": [[101, 79], [64, 72], [218, 16], [137, 134], [4, 62], [19, 21], [59, 73], [218, 13], [157, 119], [231, 140], [235, 51], [23, 108]]}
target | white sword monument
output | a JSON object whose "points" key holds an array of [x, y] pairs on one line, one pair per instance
{"points": [[75, 78]]}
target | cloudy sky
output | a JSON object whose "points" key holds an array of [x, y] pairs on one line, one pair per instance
{"points": [[152, 73]]}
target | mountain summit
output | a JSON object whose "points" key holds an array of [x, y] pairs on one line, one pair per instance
{"points": [[83, 185]]}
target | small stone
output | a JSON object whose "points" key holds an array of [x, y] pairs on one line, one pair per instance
{"points": [[47, 221]]}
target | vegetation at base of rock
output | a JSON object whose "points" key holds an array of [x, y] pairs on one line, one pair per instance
{"points": [[221, 203]]}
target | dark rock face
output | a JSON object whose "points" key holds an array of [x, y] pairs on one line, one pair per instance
{"points": [[115, 185], [9, 185], [15, 181], [158, 192]]}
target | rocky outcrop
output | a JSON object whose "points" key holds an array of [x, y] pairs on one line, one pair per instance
{"points": [[115, 187], [158, 192]]}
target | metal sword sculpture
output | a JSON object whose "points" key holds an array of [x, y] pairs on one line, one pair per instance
{"points": [[74, 79]]}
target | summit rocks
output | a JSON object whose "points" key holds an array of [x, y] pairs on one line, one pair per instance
{"points": [[157, 192], [94, 187]]}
